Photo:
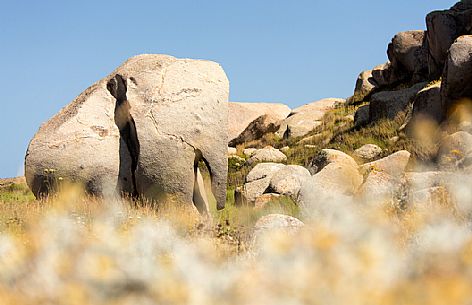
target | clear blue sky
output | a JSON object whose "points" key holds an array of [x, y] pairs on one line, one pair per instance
{"points": [[273, 51]]}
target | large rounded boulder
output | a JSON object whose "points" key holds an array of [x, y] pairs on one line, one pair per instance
{"points": [[443, 28], [457, 76], [408, 54], [143, 129]]}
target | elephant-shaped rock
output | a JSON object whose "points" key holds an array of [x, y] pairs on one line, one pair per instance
{"points": [[142, 130]]}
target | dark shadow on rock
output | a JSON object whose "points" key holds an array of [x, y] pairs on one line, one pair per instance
{"points": [[129, 143]]}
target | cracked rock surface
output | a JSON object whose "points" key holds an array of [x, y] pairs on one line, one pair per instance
{"points": [[143, 129]]}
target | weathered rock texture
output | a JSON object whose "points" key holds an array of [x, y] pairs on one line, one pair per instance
{"points": [[361, 117], [243, 114], [257, 129], [304, 119], [443, 27], [267, 154], [258, 181], [408, 55], [388, 104], [457, 76], [368, 152], [142, 130], [365, 86], [428, 105], [288, 180], [386, 75], [455, 151]]}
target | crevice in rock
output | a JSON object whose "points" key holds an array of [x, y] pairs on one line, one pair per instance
{"points": [[117, 87], [200, 197]]}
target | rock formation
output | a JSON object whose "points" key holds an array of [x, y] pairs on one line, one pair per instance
{"points": [[243, 114], [141, 130], [305, 118]]}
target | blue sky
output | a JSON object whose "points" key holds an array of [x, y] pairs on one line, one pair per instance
{"points": [[272, 51]]}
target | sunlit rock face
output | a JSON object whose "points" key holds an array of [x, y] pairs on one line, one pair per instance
{"points": [[141, 130]]}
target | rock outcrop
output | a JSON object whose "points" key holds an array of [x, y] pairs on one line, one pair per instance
{"points": [[443, 28], [457, 76], [141, 130], [416, 56], [409, 56], [274, 224]]}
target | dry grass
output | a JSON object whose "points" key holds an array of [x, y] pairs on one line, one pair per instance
{"points": [[72, 249]]}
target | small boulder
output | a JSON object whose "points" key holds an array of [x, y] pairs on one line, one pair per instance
{"points": [[248, 112], [427, 105], [257, 129], [349, 118], [254, 189], [425, 199], [288, 180], [454, 150], [304, 119], [277, 222], [267, 154], [388, 104], [263, 170], [327, 156], [342, 178], [336, 183], [416, 181], [379, 188], [393, 165], [362, 116], [258, 180], [368, 152], [273, 224], [394, 139]]}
